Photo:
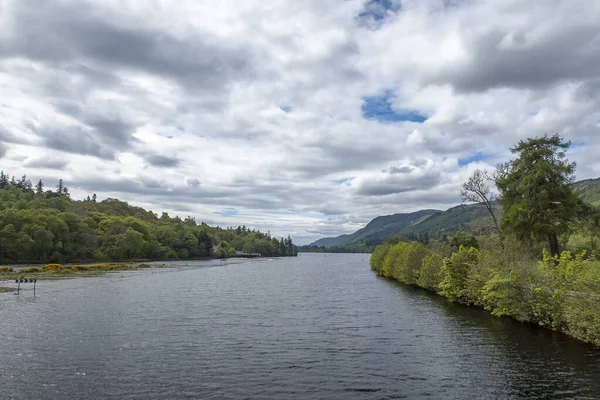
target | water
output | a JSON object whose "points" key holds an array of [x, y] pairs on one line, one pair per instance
{"points": [[311, 327]]}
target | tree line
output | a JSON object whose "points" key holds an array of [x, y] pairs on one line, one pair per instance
{"points": [[542, 264], [38, 225]]}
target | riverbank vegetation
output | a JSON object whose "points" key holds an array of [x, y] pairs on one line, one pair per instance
{"points": [[58, 271], [542, 264], [353, 248], [47, 226]]}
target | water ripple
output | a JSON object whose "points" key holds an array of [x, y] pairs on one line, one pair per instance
{"points": [[310, 327]]}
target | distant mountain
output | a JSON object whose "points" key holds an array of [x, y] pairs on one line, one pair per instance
{"points": [[435, 224], [378, 229], [589, 189]]}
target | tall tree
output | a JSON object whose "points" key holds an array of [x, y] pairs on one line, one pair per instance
{"points": [[4, 181], [538, 202], [476, 190], [39, 188]]}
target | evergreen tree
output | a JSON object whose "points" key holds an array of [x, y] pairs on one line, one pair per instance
{"points": [[4, 182], [39, 188], [538, 202]]}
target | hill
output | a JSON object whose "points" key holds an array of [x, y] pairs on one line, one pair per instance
{"points": [[378, 229], [431, 223], [41, 226], [589, 189], [435, 224]]}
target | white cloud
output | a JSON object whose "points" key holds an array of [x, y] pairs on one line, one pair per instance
{"points": [[256, 106]]}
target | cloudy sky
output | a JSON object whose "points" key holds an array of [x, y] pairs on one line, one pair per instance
{"points": [[306, 117]]}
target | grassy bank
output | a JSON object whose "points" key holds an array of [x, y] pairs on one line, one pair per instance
{"points": [[58, 271], [560, 293]]}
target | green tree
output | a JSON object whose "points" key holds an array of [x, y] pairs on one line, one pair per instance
{"points": [[7, 241], [39, 188], [455, 274], [538, 202], [465, 239]]}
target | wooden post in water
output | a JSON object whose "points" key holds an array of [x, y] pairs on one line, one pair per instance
{"points": [[18, 285]]}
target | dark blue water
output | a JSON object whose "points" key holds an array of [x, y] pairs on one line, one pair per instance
{"points": [[311, 327]]}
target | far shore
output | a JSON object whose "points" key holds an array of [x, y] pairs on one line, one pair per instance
{"points": [[58, 271]]}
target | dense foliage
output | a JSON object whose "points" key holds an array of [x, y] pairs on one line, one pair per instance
{"points": [[48, 226], [561, 293], [353, 248], [519, 271], [538, 203]]}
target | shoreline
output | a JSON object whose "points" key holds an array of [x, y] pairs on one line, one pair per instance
{"points": [[478, 307], [58, 271], [69, 271]]}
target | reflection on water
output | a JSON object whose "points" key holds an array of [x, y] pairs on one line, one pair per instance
{"points": [[311, 327]]}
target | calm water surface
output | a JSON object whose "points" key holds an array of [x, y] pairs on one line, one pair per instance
{"points": [[311, 327]]}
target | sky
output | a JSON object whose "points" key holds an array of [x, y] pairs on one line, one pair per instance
{"points": [[307, 118]]}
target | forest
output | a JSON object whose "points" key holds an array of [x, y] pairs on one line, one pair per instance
{"points": [[42, 226], [542, 263]]}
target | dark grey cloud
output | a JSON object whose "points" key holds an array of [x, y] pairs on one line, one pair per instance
{"points": [[8, 137], [325, 157], [193, 182], [65, 33], [270, 196], [503, 58], [158, 160], [152, 183], [399, 183], [47, 163], [441, 196], [405, 169], [80, 48], [590, 90], [76, 140]]}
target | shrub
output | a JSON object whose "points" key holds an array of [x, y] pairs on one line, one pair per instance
{"points": [[52, 267], [455, 272], [30, 270], [429, 275], [409, 262], [509, 291], [390, 263], [6, 269], [378, 256]]}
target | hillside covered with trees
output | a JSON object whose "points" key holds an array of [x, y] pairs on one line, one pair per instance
{"points": [[432, 224], [542, 262], [39, 226]]}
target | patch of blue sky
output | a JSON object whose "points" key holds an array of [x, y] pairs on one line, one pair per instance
{"points": [[379, 108], [452, 3], [471, 159], [375, 11], [343, 180], [227, 212], [286, 108]]}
